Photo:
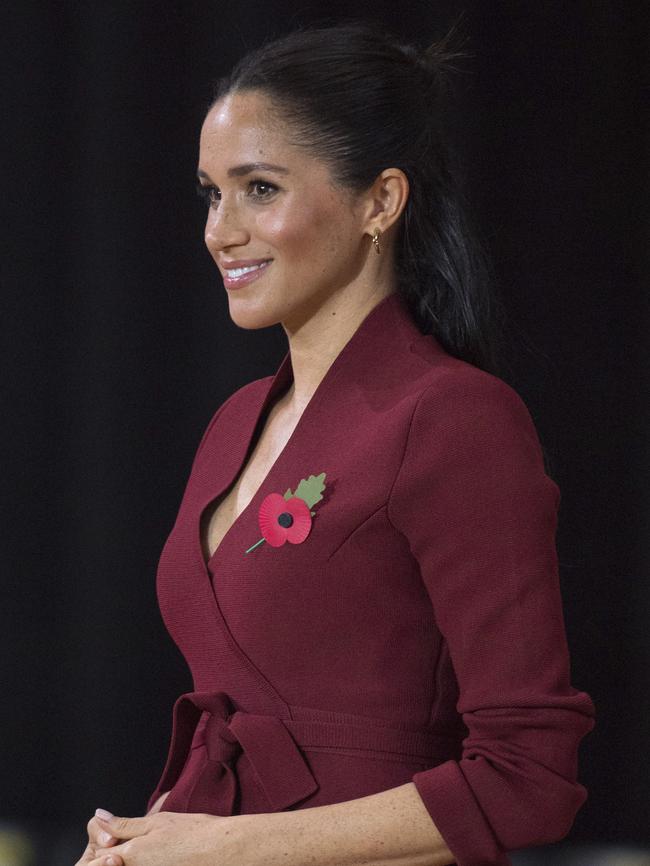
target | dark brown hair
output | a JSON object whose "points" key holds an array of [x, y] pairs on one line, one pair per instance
{"points": [[363, 101]]}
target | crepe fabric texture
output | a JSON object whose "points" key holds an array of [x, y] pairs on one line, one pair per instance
{"points": [[416, 634]]}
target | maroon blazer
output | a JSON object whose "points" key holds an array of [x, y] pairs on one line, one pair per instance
{"points": [[416, 633]]}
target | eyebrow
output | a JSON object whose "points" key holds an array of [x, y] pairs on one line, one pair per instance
{"points": [[248, 168]]}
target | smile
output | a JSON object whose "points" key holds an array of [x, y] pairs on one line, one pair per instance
{"points": [[238, 276]]}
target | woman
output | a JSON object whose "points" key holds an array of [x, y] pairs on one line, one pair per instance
{"points": [[363, 574]]}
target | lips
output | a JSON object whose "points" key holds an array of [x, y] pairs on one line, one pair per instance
{"points": [[235, 273], [241, 263], [241, 272]]}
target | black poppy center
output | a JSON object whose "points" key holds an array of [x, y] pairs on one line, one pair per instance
{"points": [[285, 519]]}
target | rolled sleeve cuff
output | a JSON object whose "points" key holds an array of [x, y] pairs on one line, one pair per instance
{"points": [[458, 817]]}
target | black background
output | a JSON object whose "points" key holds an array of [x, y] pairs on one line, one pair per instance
{"points": [[119, 348]]}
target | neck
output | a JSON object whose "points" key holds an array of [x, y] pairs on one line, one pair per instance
{"points": [[317, 341]]}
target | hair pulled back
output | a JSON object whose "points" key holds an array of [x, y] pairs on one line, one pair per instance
{"points": [[362, 101]]}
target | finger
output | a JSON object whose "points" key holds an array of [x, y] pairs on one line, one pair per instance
{"points": [[112, 859], [87, 857], [98, 835], [104, 839], [103, 855], [124, 828]]}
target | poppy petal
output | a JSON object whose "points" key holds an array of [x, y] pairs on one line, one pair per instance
{"points": [[301, 526], [272, 506]]}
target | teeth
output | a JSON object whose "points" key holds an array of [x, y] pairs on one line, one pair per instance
{"points": [[239, 272]]}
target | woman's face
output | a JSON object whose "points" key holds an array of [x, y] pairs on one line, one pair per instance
{"points": [[272, 207]]}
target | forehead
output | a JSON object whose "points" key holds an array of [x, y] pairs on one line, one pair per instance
{"points": [[242, 124], [245, 128]]}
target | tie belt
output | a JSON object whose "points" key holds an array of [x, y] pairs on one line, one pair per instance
{"points": [[273, 748]]}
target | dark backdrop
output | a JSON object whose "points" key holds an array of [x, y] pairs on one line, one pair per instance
{"points": [[119, 348]]}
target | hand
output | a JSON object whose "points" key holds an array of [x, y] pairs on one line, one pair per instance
{"points": [[99, 837], [171, 839]]}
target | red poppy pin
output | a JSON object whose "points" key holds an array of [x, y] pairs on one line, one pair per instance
{"points": [[288, 518]]}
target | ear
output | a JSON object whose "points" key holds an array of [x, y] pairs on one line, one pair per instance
{"points": [[386, 199]]}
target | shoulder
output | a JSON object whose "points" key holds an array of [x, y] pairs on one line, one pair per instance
{"points": [[455, 397], [465, 423], [472, 448]]}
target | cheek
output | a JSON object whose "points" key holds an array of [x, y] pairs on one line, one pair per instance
{"points": [[305, 231]]}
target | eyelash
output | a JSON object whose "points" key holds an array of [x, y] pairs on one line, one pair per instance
{"points": [[207, 192]]}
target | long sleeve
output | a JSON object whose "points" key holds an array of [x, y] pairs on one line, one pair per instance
{"points": [[480, 515]]}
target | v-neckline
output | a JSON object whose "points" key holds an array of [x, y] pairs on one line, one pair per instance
{"points": [[281, 380], [279, 383], [273, 389]]}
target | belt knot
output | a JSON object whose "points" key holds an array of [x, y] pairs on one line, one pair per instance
{"points": [[269, 747], [220, 741]]}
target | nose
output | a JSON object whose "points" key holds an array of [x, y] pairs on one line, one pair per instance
{"points": [[224, 228]]}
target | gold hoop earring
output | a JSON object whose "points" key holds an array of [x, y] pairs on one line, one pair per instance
{"points": [[375, 239]]}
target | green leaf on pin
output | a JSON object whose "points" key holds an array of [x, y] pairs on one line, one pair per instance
{"points": [[310, 489]]}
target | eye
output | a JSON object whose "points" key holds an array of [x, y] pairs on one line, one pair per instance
{"points": [[258, 189], [210, 194], [265, 189]]}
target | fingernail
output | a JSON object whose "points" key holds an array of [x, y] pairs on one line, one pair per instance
{"points": [[105, 837], [111, 861], [102, 813]]}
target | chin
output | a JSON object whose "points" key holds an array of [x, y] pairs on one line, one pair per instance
{"points": [[252, 318]]}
